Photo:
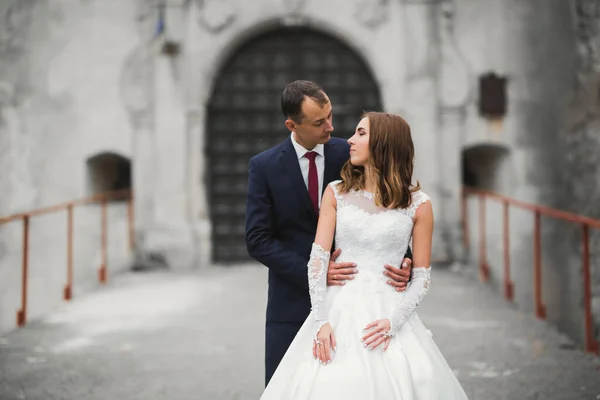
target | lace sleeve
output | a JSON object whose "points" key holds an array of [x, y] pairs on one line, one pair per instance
{"points": [[336, 193], [417, 289], [418, 198], [419, 282], [317, 285]]}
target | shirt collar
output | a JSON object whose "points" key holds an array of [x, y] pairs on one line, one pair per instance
{"points": [[301, 151]]}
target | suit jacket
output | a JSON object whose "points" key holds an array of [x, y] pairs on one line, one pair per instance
{"points": [[281, 223]]}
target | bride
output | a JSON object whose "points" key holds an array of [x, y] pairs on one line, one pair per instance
{"points": [[367, 340]]}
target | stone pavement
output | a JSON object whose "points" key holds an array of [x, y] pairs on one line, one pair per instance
{"points": [[199, 335]]}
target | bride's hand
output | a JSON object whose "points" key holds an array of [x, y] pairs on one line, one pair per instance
{"points": [[377, 334], [324, 344]]}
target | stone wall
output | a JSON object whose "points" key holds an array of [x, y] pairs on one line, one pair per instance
{"points": [[82, 77], [579, 162], [60, 103], [554, 145]]}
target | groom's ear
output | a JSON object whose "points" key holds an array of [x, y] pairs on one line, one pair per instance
{"points": [[290, 124]]}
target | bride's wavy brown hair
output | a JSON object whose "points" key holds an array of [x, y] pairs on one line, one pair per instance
{"points": [[391, 158]]}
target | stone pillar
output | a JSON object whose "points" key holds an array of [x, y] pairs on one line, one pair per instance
{"points": [[171, 234], [420, 105], [137, 94], [6, 146], [454, 95], [580, 170], [166, 147], [452, 124], [197, 204]]}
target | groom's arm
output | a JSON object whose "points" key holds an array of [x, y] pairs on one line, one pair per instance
{"points": [[260, 241], [399, 277], [408, 253]]}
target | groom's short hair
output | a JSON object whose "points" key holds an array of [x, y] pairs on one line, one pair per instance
{"points": [[293, 96]]}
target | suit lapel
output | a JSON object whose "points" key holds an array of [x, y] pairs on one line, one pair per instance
{"points": [[289, 159]]}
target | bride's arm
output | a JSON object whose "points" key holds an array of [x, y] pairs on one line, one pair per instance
{"points": [[421, 273], [319, 259]]}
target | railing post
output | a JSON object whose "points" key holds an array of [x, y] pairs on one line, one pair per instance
{"points": [[68, 291], [130, 221], [484, 271], [591, 344], [104, 243], [508, 284], [540, 309], [22, 313]]}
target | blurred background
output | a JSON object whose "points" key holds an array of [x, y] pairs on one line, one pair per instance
{"points": [[165, 101]]}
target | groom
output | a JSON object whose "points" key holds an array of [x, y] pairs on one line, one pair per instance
{"points": [[285, 187]]}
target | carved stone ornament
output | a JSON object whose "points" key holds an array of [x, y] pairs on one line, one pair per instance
{"points": [[372, 13], [215, 15], [431, 2], [6, 94], [14, 23], [293, 6], [587, 13], [136, 76], [455, 88]]}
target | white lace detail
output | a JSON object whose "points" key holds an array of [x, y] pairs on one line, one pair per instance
{"points": [[364, 200], [338, 198], [364, 193], [416, 291], [418, 198], [317, 285]]}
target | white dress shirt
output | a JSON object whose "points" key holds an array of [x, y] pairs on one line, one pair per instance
{"points": [[304, 163]]}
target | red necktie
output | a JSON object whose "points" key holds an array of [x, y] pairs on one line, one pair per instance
{"points": [[313, 180]]}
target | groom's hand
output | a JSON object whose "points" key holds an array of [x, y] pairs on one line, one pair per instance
{"points": [[339, 273], [399, 277]]}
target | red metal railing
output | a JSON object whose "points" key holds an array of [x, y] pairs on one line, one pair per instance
{"points": [[103, 199], [591, 344]]}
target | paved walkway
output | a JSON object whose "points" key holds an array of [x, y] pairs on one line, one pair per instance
{"points": [[200, 336]]}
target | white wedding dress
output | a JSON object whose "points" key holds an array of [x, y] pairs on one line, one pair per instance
{"points": [[412, 367]]}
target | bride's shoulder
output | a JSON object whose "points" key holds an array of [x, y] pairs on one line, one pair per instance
{"points": [[335, 185], [419, 197]]}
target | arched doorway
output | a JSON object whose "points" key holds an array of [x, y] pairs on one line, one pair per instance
{"points": [[108, 172], [244, 115], [483, 166]]}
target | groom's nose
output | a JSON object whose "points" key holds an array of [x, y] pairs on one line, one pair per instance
{"points": [[329, 127]]}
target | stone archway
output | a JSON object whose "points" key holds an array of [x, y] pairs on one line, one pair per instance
{"points": [[244, 117], [108, 171]]}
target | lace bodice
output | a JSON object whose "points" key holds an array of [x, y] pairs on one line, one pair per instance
{"points": [[369, 235]]}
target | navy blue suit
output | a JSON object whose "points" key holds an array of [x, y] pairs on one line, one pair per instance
{"points": [[280, 228]]}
